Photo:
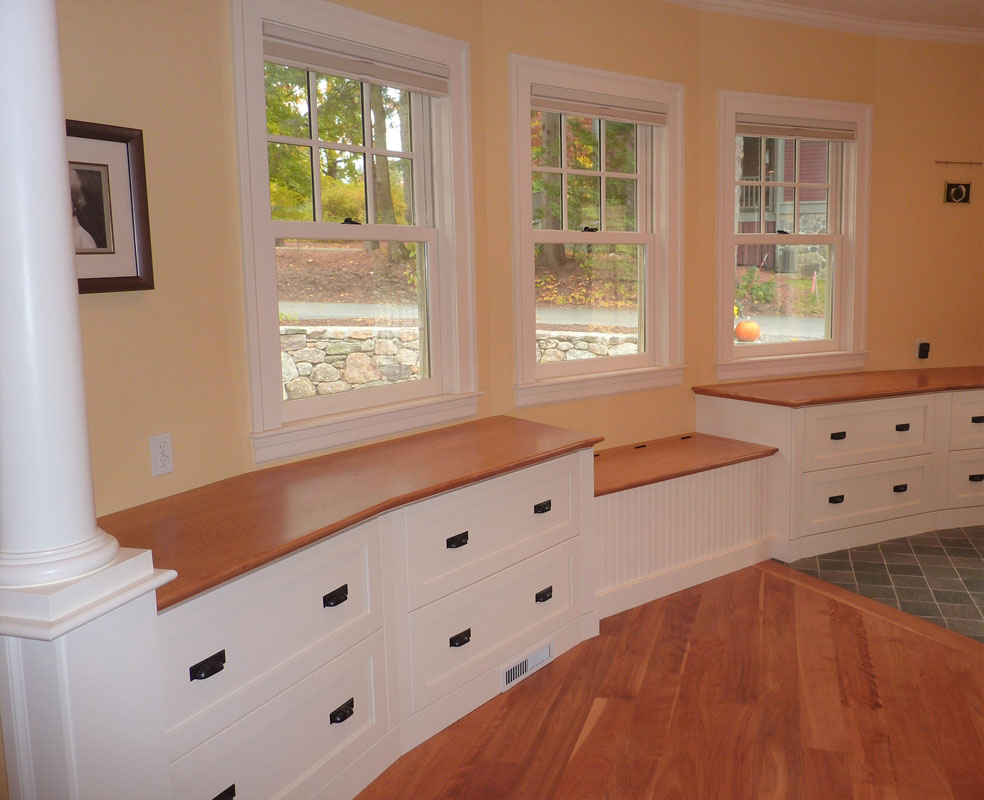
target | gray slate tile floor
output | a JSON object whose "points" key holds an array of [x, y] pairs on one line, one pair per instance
{"points": [[938, 576]]}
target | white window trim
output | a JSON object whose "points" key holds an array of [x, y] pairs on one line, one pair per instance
{"points": [[848, 345], [661, 365], [452, 298]]}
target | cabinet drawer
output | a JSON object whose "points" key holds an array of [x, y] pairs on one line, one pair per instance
{"points": [[859, 433], [965, 479], [460, 636], [967, 420], [461, 537], [295, 744], [842, 498], [231, 649]]}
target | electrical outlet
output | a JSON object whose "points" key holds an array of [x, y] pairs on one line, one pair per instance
{"points": [[161, 461], [922, 348]]}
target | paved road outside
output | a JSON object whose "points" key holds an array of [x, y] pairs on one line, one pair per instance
{"points": [[773, 328]]}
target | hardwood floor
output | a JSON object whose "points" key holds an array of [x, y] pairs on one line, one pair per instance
{"points": [[762, 684]]}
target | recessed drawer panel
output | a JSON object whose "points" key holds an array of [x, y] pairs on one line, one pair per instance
{"points": [[967, 420], [965, 479], [292, 746], [461, 537], [231, 649], [859, 433], [842, 498], [460, 636]]}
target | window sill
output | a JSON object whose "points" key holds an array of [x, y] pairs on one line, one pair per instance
{"points": [[557, 390], [773, 366], [302, 438]]}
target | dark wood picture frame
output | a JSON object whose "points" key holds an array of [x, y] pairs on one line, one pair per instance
{"points": [[142, 276]]}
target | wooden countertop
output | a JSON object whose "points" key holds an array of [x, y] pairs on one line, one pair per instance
{"points": [[657, 460], [214, 533], [813, 390]]}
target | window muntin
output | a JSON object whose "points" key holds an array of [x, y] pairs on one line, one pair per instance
{"points": [[588, 176], [366, 183], [785, 187]]}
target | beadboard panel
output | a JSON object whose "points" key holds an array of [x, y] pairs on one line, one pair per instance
{"points": [[672, 524]]}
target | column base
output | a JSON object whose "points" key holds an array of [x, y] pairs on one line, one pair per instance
{"points": [[44, 567], [52, 610]]}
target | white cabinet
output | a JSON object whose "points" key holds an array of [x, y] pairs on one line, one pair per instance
{"points": [[466, 633], [967, 420], [855, 472], [278, 681], [866, 431], [865, 493]]}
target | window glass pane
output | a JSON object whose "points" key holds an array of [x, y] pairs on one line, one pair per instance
{"points": [[620, 204], [286, 101], [814, 160], [583, 142], [545, 138], [780, 160], [748, 201], [587, 300], [547, 212], [393, 190], [748, 158], [813, 210], [291, 194], [779, 209], [785, 291], [339, 109], [343, 186], [620, 146], [583, 202], [390, 110], [352, 315]]}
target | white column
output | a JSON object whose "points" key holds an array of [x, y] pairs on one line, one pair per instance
{"points": [[48, 529]]}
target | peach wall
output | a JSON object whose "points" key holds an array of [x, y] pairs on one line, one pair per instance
{"points": [[174, 359]]}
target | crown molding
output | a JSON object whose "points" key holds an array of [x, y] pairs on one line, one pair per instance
{"points": [[850, 23]]}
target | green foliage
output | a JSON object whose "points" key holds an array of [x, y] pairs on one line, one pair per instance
{"points": [[341, 199], [749, 290], [287, 319]]}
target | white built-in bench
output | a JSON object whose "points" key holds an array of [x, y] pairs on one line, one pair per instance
{"points": [[673, 512]]}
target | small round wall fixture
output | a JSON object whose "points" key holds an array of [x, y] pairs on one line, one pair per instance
{"points": [[747, 331]]}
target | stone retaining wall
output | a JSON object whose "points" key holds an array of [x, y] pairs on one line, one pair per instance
{"points": [[328, 360], [570, 345]]}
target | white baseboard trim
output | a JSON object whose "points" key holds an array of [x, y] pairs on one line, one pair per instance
{"points": [[621, 598], [845, 538]]}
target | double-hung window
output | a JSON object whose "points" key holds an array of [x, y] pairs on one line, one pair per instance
{"points": [[596, 203], [793, 232], [354, 157]]}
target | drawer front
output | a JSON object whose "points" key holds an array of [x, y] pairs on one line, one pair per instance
{"points": [[245, 641], [965, 479], [461, 537], [295, 744], [460, 636], [842, 498], [967, 420], [859, 433]]}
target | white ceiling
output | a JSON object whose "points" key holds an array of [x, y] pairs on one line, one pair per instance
{"points": [[945, 20]]}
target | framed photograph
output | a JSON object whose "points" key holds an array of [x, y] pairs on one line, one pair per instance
{"points": [[110, 223]]}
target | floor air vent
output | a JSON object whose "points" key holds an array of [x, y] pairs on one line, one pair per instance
{"points": [[521, 669]]}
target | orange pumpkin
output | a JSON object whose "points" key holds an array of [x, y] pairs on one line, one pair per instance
{"points": [[747, 331]]}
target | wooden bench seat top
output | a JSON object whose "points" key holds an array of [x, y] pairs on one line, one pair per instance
{"points": [[657, 460]]}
